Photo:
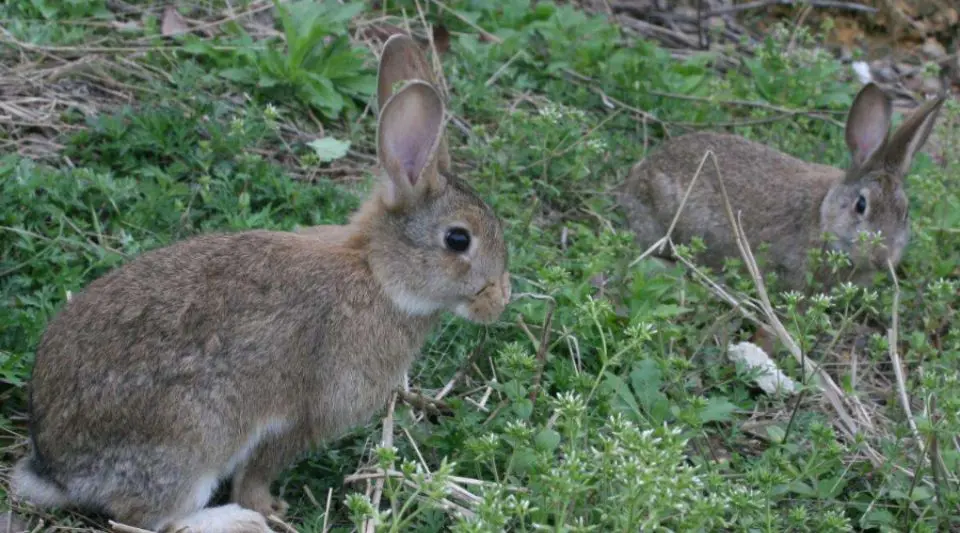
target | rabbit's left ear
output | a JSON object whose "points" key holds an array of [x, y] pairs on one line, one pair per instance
{"points": [[867, 124], [402, 60], [408, 137]]}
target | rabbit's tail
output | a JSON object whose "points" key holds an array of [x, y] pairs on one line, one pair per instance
{"points": [[28, 485]]}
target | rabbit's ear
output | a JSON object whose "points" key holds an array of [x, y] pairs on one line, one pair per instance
{"points": [[867, 123], [911, 135], [403, 60], [411, 126]]}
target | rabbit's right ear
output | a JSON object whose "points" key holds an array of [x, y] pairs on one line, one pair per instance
{"points": [[403, 60], [408, 138], [912, 134], [868, 123]]}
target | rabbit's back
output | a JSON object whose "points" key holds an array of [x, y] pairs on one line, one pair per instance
{"points": [[777, 195], [216, 338]]}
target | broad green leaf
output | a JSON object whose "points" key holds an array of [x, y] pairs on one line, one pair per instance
{"points": [[717, 410], [776, 433], [623, 392], [799, 487], [647, 379], [547, 440], [239, 75], [329, 149]]}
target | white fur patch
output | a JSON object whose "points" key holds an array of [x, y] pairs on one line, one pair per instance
{"points": [[462, 310], [269, 427], [203, 490], [412, 304], [224, 519], [27, 486]]}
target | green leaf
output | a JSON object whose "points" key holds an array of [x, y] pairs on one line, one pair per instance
{"points": [[623, 392], [877, 517], [921, 493], [329, 149], [776, 433], [669, 311], [799, 487], [323, 96], [524, 460], [360, 85], [267, 81], [239, 75], [522, 408], [547, 440], [647, 379], [717, 410], [46, 10], [831, 487]]}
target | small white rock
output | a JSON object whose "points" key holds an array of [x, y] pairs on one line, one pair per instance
{"points": [[771, 379], [862, 69]]}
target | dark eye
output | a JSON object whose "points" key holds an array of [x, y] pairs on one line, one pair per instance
{"points": [[457, 239], [861, 205]]}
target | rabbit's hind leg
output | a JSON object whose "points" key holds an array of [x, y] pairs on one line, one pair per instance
{"points": [[251, 483], [152, 486], [185, 512]]}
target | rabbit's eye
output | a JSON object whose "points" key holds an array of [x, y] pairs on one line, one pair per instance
{"points": [[457, 239], [861, 204]]}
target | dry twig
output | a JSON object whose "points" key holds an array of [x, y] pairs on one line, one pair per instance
{"points": [[895, 358]]}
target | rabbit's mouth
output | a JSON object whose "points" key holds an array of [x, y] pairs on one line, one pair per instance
{"points": [[504, 286], [488, 303]]}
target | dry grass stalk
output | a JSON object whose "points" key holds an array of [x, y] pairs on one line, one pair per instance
{"points": [[386, 441], [892, 334], [123, 528], [467, 500]]}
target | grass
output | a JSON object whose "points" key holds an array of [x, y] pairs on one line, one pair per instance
{"points": [[604, 398]]}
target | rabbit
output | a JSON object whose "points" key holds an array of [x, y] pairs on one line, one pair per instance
{"points": [[228, 356], [783, 201]]}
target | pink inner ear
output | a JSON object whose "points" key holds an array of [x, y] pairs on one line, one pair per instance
{"points": [[867, 144], [410, 166], [409, 155]]}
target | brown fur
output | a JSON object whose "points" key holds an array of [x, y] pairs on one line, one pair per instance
{"points": [[232, 354], [783, 201]]}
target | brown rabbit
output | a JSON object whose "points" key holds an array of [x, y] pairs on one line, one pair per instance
{"points": [[230, 355], [785, 202]]}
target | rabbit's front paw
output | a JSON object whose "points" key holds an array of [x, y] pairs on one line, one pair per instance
{"points": [[278, 507], [262, 502]]}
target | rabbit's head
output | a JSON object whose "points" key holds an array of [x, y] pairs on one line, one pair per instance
{"points": [[433, 243], [866, 214]]}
